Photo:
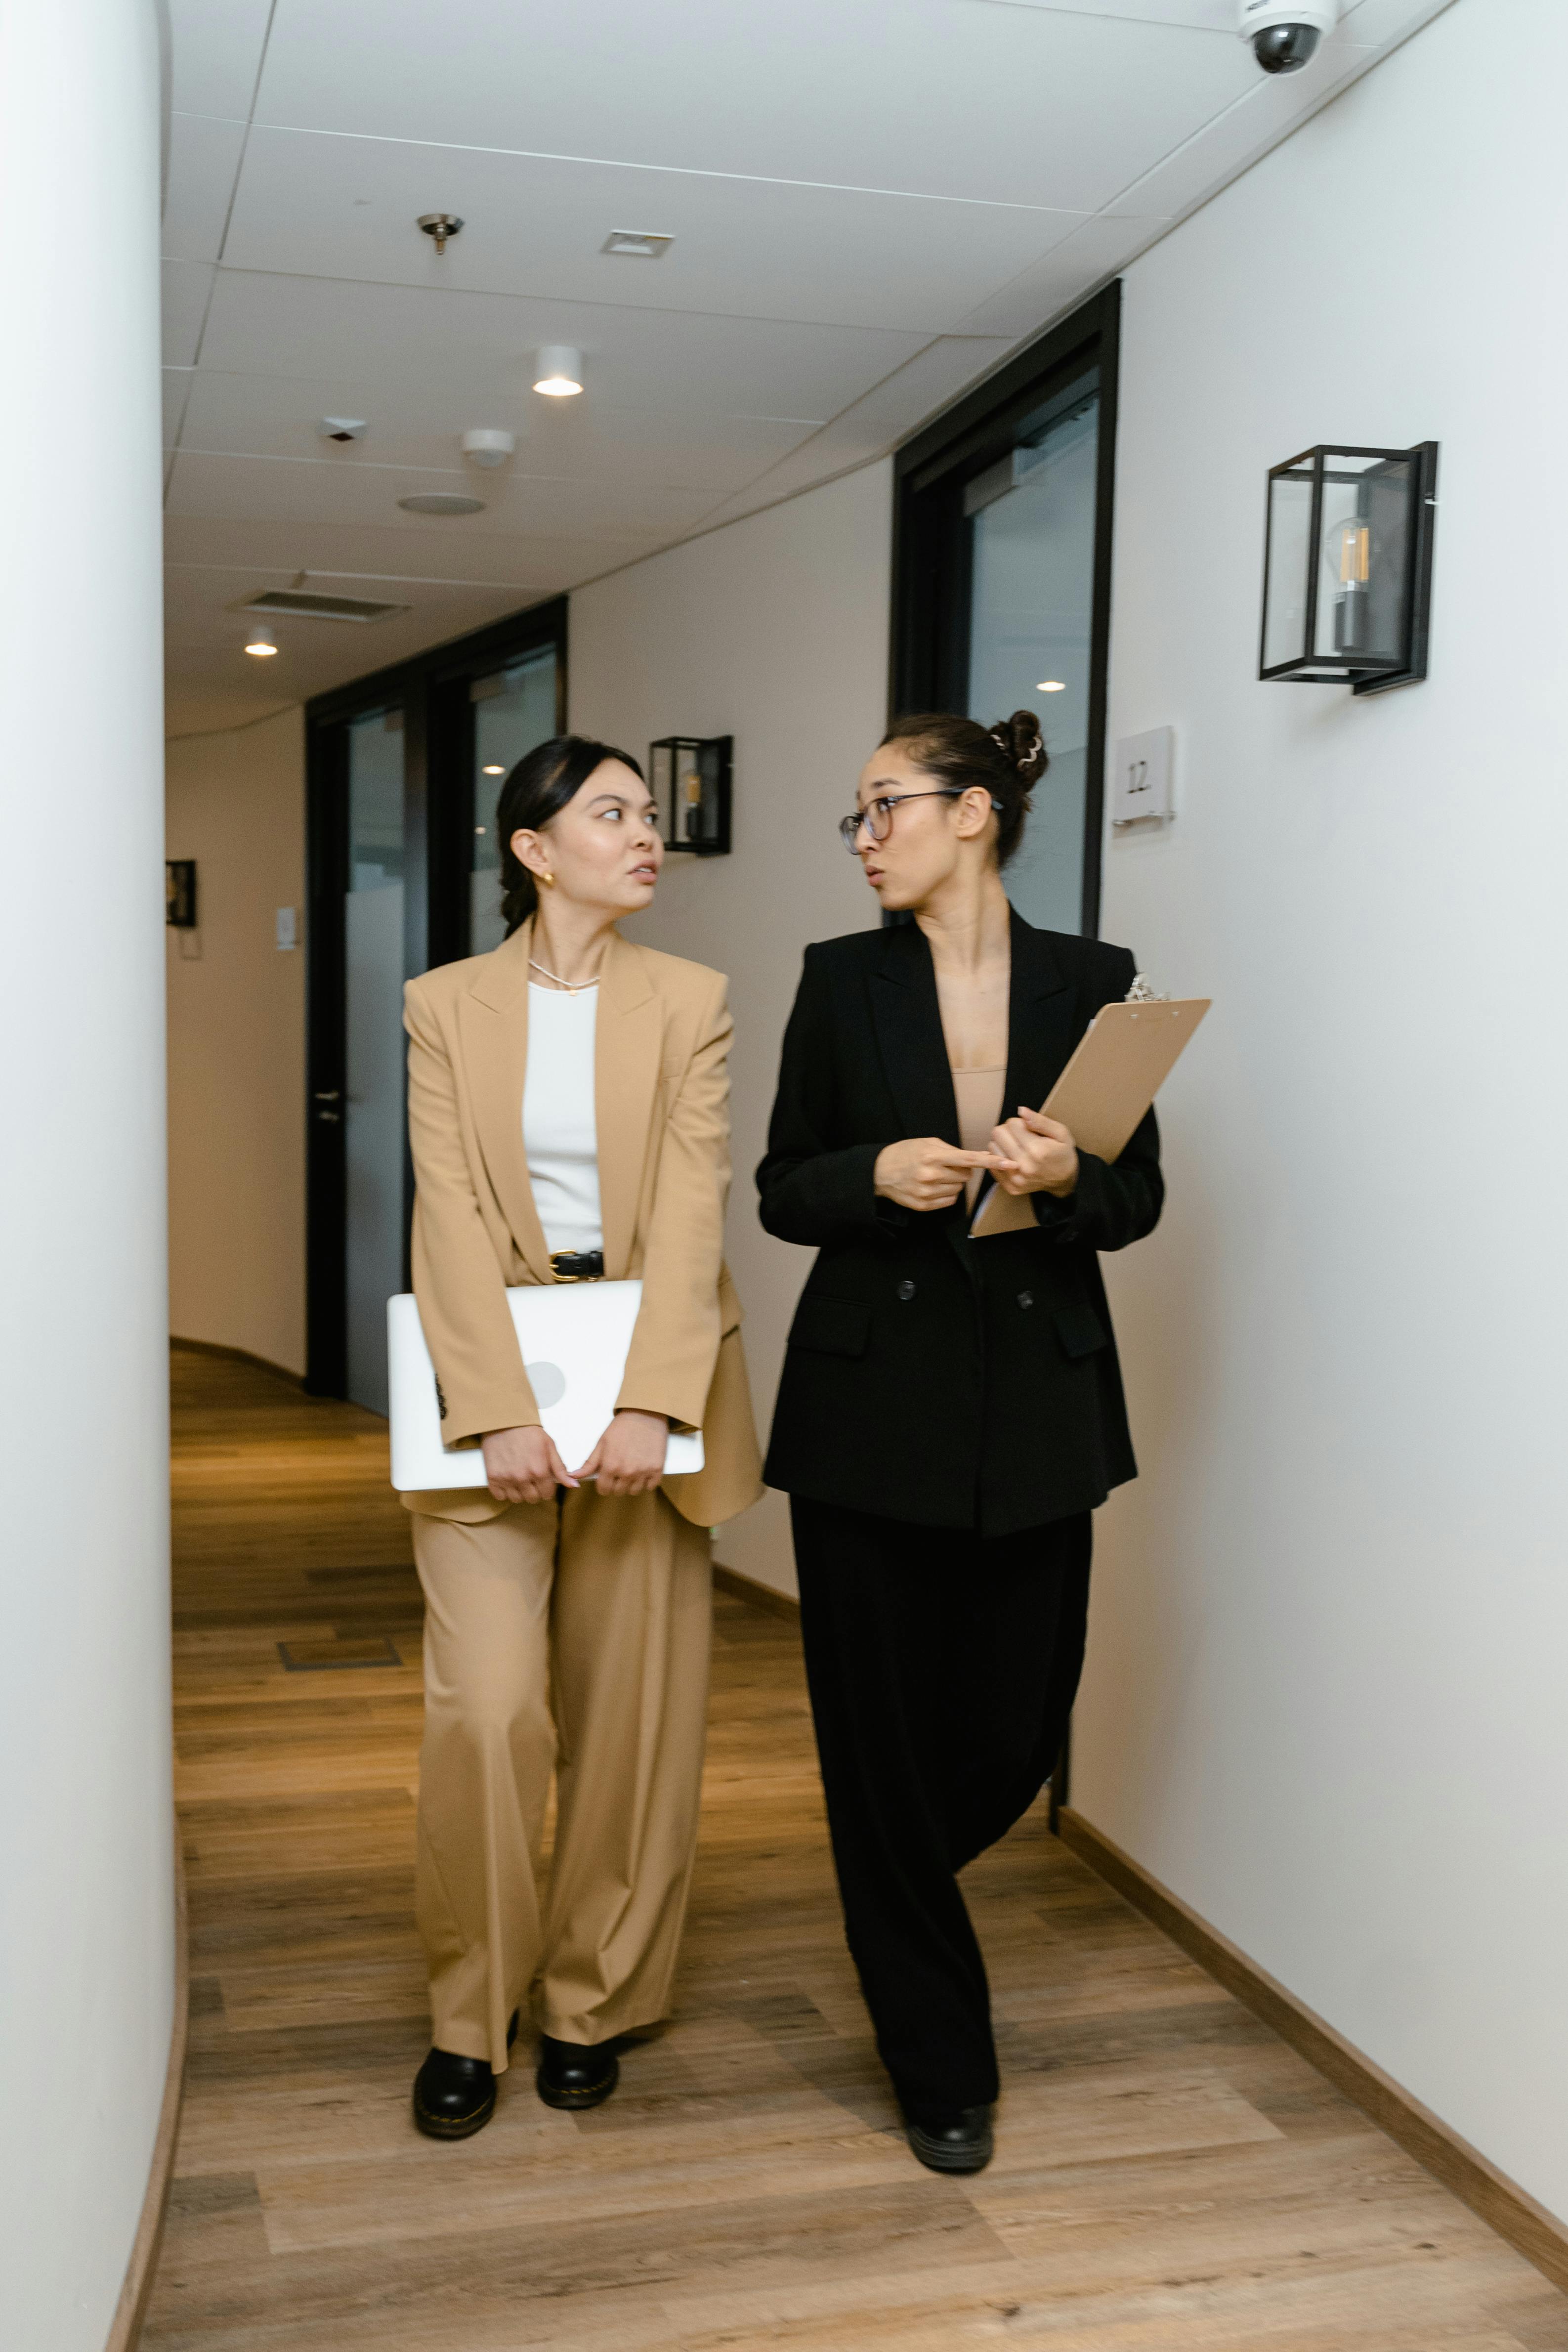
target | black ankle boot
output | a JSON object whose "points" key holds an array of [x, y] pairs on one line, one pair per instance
{"points": [[958, 2142], [572, 2077], [454, 2097]]}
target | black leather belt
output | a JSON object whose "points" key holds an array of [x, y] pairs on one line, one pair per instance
{"points": [[578, 1265]]}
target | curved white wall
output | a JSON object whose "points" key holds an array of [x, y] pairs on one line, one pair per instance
{"points": [[1324, 1700], [85, 1862]]}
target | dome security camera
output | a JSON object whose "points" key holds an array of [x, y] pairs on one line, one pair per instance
{"points": [[1285, 33]]}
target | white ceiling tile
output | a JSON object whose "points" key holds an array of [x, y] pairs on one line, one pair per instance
{"points": [[203, 159], [874, 425], [348, 208], [186, 287], [480, 346], [416, 424], [1199, 16], [1040, 294], [217, 49], [343, 551], [1375, 23], [282, 490], [1269, 108], [951, 98], [177, 382]]}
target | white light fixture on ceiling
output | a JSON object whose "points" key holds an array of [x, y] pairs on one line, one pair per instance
{"points": [[638, 244], [487, 444], [262, 644], [559, 371], [494, 770], [441, 502], [1051, 686]]}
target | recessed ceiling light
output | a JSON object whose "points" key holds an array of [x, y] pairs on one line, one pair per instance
{"points": [[441, 502], [560, 368], [638, 244], [1051, 686], [261, 642], [493, 772]]}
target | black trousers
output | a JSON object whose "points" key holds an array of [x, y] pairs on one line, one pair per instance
{"points": [[942, 1668]]}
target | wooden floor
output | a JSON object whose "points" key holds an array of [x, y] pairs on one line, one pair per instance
{"points": [[1169, 2175]]}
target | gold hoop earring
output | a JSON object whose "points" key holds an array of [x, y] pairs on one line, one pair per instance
{"points": [[547, 880]]}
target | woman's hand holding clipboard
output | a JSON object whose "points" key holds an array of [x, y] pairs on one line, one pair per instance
{"points": [[1122, 1060]]}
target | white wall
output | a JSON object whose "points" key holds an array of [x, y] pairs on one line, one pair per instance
{"points": [[773, 630], [235, 804], [86, 1858], [1325, 1697]]}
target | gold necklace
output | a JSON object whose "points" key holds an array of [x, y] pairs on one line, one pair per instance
{"points": [[572, 988]]}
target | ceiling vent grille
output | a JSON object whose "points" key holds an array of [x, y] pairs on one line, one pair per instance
{"points": [[307, 607]]}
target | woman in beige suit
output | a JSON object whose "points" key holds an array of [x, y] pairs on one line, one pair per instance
{"points": [[568, 1114]]}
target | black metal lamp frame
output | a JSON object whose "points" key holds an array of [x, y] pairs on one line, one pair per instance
{"points": [[1310, 669], [720, 749]]}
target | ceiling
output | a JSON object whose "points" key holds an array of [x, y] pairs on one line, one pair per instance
{"points": [[871, 202]]}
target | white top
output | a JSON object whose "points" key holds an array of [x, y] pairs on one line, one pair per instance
{"points": [[560, 1132]]}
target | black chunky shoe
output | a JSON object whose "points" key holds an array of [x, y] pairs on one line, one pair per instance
{"points": [[572, 2077], [960, 2142], [455, 2097]]}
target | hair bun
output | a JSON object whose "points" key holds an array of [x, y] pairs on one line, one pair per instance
{"points": [[1020, 742]]}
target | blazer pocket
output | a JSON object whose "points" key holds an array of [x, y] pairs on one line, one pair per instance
{"points": [[831, 1326], [1079, 1330]]}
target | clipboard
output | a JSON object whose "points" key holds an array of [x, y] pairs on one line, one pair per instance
{"points": [[1119, 1065]]}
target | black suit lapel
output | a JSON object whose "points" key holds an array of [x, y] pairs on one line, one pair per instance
{"points": [[1042, 1027], [908, 1022]]}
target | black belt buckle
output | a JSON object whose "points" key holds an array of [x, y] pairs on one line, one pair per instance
{"points": [[578, 1265]]}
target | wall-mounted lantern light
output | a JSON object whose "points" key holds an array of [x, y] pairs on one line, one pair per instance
{"points": [[688, 776], [1347, 567], [180, 893]]}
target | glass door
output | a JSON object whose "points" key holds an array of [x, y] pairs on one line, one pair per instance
{"points": [[1002, 586], [373, 912], [1032, 605], [514, 710]]}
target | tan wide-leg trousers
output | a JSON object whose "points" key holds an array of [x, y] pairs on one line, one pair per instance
{"points": [[571, 1636]]}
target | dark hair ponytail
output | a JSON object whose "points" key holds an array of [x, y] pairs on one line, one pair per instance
{"points": [[538, 789], [1006, 760]]}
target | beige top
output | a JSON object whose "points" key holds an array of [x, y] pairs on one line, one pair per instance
{"points": [[979, 1097]]}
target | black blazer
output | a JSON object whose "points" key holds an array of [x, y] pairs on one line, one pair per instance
{"points": [[929, 1378]]}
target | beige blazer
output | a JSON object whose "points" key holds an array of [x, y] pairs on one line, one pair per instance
{"points": [[662, 1096]]}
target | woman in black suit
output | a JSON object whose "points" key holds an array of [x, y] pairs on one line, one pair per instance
{"points": [[951, 1410]]}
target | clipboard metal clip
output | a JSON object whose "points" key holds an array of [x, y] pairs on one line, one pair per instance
{"points": [[1142, 993]]}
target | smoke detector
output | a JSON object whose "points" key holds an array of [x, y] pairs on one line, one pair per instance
{"points": [[487, 444], [342, 428]]}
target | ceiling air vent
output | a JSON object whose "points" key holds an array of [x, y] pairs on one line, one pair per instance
{"points": [[307, 607]]}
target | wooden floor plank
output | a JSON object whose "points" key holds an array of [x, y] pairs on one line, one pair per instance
{"points": [[1169, 2175]]}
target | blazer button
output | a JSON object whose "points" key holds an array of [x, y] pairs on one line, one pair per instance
{"points": [[906, 1289], [1025, 1298]]}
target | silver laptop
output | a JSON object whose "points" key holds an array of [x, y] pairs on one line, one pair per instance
{"points": [[574, 1337]]}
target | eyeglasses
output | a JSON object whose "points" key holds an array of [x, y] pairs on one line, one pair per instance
{"points": [[877, 815]]}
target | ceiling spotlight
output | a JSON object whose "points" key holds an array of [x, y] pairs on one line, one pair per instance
{"points": [[559, 371], [638, 244], [342, 428], [262, 644], [441, 502], [496, 770], [487, 445], [440, 226], [1051, 686]]}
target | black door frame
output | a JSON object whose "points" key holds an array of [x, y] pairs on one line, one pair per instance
{"points": [[432, 691], [930, 637]]}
